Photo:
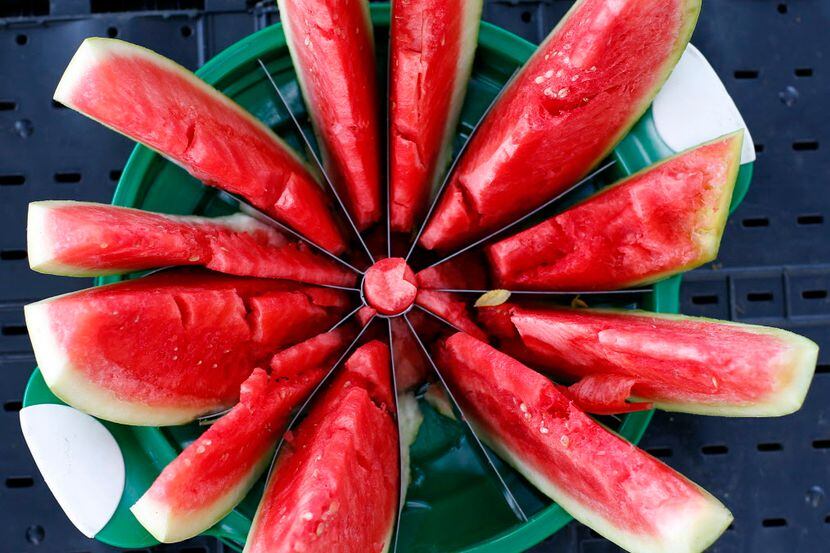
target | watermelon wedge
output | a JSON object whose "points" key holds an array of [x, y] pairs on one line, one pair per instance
{"points": [[679, 363], [88, 239], [585, 86], [332, 47], [603, 481], [335, 485], [172, 346], [463, 272], [212, 475], [155, 101], [431, 55], [664, 220]]}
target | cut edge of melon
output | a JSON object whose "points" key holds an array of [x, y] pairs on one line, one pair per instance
{"points": [[71, 386], [94, 50], [711, 226], [689, 13], [691, 533], [168, 526], [792, 388]]}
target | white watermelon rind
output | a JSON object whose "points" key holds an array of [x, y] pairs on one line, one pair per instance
{"points": [[690, 532], [169, 526], [71, 385]]}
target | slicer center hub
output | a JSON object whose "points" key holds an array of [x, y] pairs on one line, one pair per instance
{"points": [[390, 287]]}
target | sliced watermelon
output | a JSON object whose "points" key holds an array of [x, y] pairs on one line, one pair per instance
{"points": [[335, 486], [332, 47], [679, 363], [172, 346], [410, 366], [603, 481], [586, 85], [88, 239], [664, 220], [155, 101], [431, 55], [452, 308], [212, 475]]}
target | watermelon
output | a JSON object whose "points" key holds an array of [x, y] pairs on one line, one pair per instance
{"points": [[664, 220], [603, 481], [432, 43], [335, 485], [88, 239], [172, 346], [389, 286], [332, 47], [575, 98], [212, 475], [155, 101], [688, 364]]}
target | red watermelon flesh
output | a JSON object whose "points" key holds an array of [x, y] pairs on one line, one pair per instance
{"points": [[575, 98], [332, 47], [157, 102], [172, 346], [679, 363], [453, 308], [212, 475], [603, 481], [335, 486], [88, 239], [432, 43], [667, 219]]}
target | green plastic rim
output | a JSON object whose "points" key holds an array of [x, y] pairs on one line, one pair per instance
{"points": [[452, 505]]}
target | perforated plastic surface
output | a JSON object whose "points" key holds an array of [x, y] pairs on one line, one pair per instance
{"points": [[774, 266]]}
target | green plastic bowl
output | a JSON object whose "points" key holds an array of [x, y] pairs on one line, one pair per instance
{"points": [[452, 504]]}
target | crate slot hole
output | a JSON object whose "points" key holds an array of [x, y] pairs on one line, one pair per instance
{"points": [[814, 294], [782, 8], [805, 145], [774, 522], [759, 296], [527, 17], [707, 299], [21, 40], [115, 175], [714, 449], [12, 255], [822, 368], [821, 444], [12, 180], [810, 219], [7, 105], [769, 447], [23, 9], [755, 222], [661, 452], [112, 32], [746, 74], [12, 406], [14, 330], [20, 482], [186, 31], [804, 72], [759, 148], [67, 177], [108, 6]]}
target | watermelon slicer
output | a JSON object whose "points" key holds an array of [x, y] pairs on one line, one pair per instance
{"points": [[452, 504]]}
